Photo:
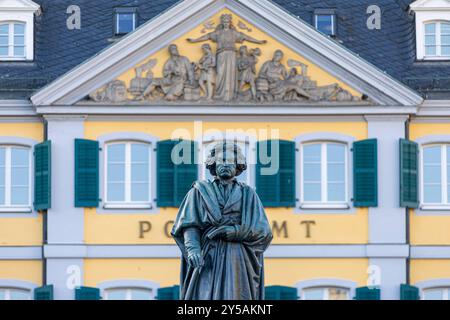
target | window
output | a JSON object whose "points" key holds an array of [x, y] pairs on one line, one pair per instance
{"points": [[435, 175], [15, 178], [128, 175], [436, 294], [324, 175], [17, 29], [325, 23], [12, 40], [248, 150], [324, 293], [437, 39], [125, 20], [129, 294], [14, 294]]}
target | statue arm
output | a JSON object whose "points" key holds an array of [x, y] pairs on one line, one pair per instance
{"points": [[193, 246], [252, 40], [206, 37]]}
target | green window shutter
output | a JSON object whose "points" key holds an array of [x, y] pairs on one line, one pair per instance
{"points": [[174, 180], [409, 178], [44, 293], [86, 173], [170, 293], [365, 173], [277, 190], [366, 293], [42, 176], [281, 293], [87, 293], [408, 292]]}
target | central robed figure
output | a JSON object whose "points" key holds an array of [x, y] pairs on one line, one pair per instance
{"points": [[222, 231]]}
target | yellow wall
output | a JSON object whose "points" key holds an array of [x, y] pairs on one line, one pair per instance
{"points": [[430, 269], [329, 228], [194, 53], [22, 270], [430, 228], [166, 272], [24, 230]]}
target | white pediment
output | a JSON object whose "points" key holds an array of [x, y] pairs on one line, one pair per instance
{"points": [[18, 5], [118, 64], [430, 5]]}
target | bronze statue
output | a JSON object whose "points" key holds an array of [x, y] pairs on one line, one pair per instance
{"points": [[222, 231], [226, 36]]}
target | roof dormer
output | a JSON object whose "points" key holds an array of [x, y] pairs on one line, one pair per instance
{"points": [[432, 29], [17, 29]]}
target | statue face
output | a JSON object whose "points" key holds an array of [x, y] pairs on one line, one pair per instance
{"points": [[173, 50], [226, 171], [278, 56]]}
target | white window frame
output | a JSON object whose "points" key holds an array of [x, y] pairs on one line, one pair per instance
{"points": [[437, 38], [117, 21], [11, 37], [8, 207], [127, 203], [251, 157], [8, 292], [445, 204], [428, 11], [445, 295], [128, 292], [21, 11], [326, 291], [324, 176], [333, 22]]}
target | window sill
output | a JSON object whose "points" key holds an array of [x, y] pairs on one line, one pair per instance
{"points": [[344, 206], [16, 210], [435, 208], [128, 206]]}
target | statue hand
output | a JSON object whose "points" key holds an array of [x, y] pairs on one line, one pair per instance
{"points": [[195, 260], [227, 233]]}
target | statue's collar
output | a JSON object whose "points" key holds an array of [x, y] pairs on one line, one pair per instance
{"points": [[225, 182]]}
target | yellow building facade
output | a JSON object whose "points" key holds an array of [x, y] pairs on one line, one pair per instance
{"points": [[357, 235]]}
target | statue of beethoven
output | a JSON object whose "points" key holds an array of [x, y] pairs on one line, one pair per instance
{"points": [[226, 37], [222, 231]]}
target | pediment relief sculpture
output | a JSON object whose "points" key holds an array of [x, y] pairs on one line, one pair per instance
{"points": [[225, 76]]}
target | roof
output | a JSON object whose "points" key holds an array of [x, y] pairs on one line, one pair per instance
{"points": [[59, 50]]}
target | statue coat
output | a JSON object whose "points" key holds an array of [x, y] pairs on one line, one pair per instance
{"points": [[233, 270]]}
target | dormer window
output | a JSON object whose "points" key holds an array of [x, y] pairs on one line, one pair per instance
{"points": [[16, 29], [437, 39], [325, 21], [12, 40], [432, 29], [125, 20]]}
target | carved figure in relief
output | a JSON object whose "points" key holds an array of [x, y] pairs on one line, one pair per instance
{"points": [[274, 82], [207, 66], [226, 36], [247, 69], [177, 73]]}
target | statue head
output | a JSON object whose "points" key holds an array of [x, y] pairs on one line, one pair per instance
{"points": [[278, 56], [243, 51], [173, 50], [226, 160], [226, 21], [206, 48]]}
